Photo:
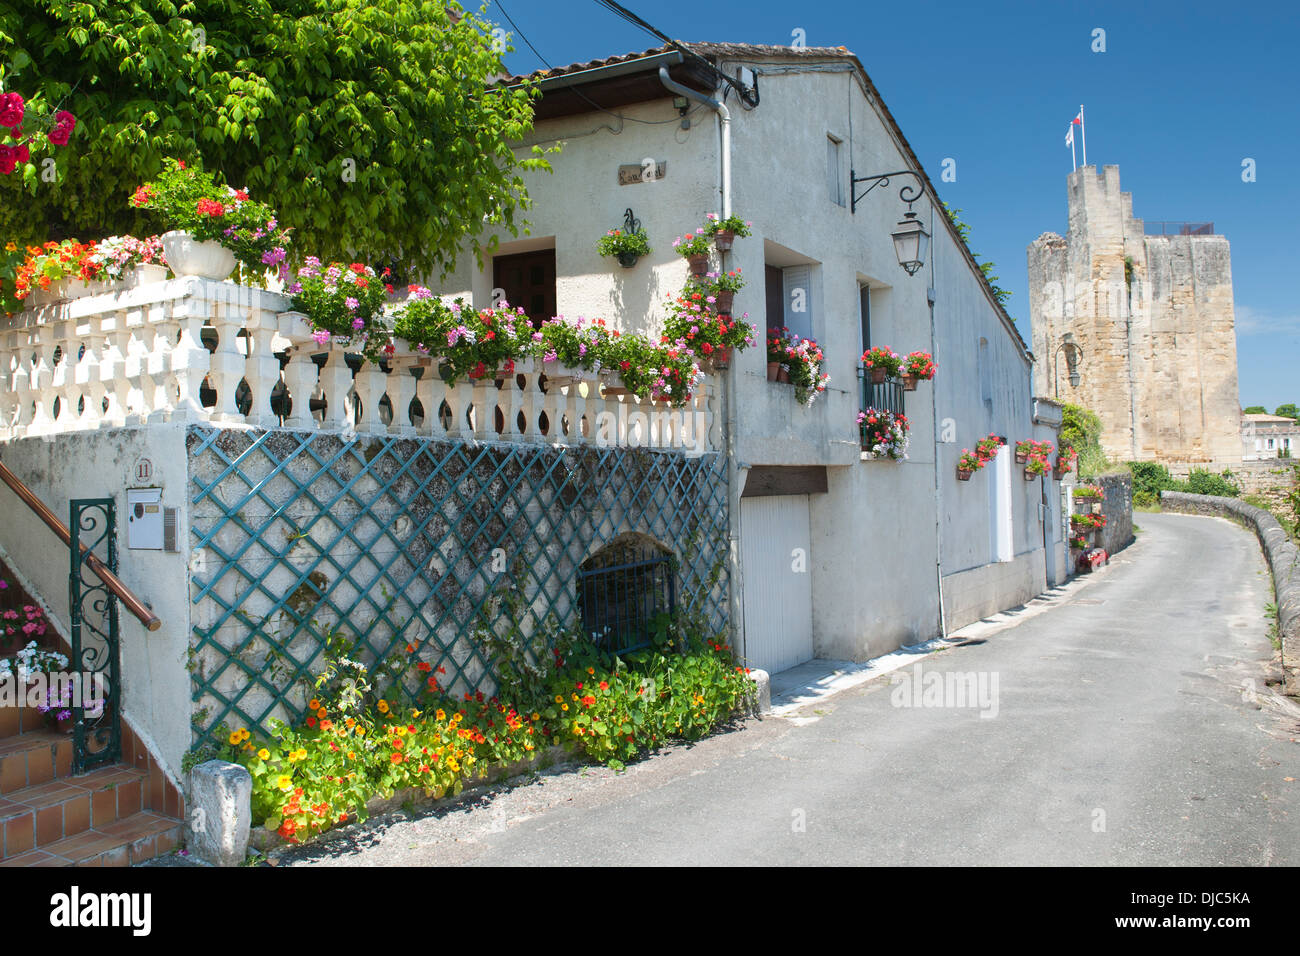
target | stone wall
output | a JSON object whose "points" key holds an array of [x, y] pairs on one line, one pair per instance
{"points": [[1117, 506], [1279, 551], [1153, 318]]}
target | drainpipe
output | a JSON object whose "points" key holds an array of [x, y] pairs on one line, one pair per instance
{"points": [[736, 590]]}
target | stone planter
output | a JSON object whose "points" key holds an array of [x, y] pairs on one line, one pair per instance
{"points": [[80, 288], [146, 273], [56, 291], [699, 264], [187, 257], [723, 239]]}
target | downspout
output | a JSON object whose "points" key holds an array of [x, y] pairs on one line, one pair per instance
{"points": [[736, 590], [931, 295]]}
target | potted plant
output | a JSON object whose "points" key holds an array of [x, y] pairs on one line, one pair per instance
{"points": [[882, 363], [712, 336], [344, 305], [1023, 448], [1035, 467], [484, 344], [717, 290], [130, 260], [212, 226], [627, 246], [777, 341], [1065, 460], [883, 433], [967, 464], [694, 248], [49, 271], [987, 448], [803, 362], [918, 366], [724, 231]]}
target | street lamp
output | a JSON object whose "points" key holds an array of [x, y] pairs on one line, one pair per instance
{"points": [[911, 241]]}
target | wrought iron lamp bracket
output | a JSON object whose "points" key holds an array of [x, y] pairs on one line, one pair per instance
{"points": [[908, 193]]}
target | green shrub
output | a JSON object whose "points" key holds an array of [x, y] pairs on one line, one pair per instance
{"points": [[1204, 482], [1145, 499], [1152, 478]]}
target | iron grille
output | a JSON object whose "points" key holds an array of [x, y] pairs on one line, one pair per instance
{"points": [[619, 593]]}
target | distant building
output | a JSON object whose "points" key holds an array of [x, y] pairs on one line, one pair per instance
{"points": [[1134, 320], [1269, 436]]}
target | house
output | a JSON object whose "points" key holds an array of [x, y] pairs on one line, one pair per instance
{"points": [[832, 554], [1269, 436]]}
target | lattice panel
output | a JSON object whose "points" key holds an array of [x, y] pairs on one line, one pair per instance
{"points": [[397, 540]]}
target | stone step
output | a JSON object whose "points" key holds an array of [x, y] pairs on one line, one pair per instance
{"points": [[35, 817], [126, 842], [33, 758]]}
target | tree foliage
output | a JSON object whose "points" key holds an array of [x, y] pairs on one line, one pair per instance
{"points": [[371, 125], [1289, 410], [1254, 410]]}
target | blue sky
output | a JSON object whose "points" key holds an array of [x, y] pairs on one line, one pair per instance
{"points": [[1182, 94]]}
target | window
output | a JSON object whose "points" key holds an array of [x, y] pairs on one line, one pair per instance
{"points": [[621, 588], [864, 315], [1270, 444], [834, 181], [774, 298]]}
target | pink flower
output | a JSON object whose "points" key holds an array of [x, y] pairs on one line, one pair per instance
{"points": [[11, 109], [64, 124], [321, 336]]}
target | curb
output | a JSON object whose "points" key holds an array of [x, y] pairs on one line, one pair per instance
{"points": [[1280, 553]]}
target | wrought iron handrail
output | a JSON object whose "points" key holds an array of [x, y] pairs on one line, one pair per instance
{"points": [[101, 570], [886, 396]]}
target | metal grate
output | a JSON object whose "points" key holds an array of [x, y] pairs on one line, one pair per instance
{"points": [[389, 541], [620, 591]]}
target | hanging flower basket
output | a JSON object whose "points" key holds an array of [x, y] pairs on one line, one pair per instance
{"points": [[628, 259], [783, 374], [964, 474], [725, 231]]}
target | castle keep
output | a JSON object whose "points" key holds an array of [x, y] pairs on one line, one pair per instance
{"points": [[1135, 322]]}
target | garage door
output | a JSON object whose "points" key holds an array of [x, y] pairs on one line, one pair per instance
{"points": [[776, 561]]}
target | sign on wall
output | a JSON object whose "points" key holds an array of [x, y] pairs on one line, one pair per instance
{"points": [[646, 171]]}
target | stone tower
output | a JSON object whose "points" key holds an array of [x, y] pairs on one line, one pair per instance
{"points": [[1151, 317]]}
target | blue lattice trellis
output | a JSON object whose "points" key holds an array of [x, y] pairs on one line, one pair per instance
{"points": [[397, 540]]}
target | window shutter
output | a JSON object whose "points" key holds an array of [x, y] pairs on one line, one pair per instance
{"points": [[799, 301]]}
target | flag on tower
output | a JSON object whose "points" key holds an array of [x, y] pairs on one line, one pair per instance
{"points": [[1069, 141]]}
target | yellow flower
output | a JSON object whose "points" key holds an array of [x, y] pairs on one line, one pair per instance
{"points": [[352, 755], [235, 738], [536, 716], [264, 754], [383, 706], [564, 706], [441, 714], [361, 731], [558, 699], [10, 246], [400, 731], [285, 782], [415, 713], [302, 753]]}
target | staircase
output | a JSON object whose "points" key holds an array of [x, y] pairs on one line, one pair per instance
{"points": [[112, 816]]}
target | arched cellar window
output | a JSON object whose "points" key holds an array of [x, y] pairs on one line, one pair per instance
{"points": [[621, 588]]}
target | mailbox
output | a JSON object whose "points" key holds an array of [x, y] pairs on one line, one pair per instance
{"points": [[144, 519]]}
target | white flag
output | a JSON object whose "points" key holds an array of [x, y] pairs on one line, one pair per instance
{"points": [[1069, 137]]}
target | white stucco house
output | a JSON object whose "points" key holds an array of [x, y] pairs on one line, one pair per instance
{"points": [[832, 555]]}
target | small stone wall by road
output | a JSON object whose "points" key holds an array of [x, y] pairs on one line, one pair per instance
{"points": [[1279, 551], [1117, 506]]}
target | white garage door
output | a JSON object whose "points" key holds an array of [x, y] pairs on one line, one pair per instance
{"points": [[776, 561]]}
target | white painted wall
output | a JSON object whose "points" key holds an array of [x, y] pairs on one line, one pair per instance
{"points": [[877, 560]]}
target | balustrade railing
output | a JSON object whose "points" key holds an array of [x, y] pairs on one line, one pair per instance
{"points": [[194, 349]]}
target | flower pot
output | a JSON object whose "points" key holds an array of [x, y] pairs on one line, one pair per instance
{"points": [[57, 290], [963, 474], [722, 301], [146, 273], [699, 264], [1029, 475], [187, 257], [627, 259], [909, 383], [723, 239], [878, 376], [720, 360], [783, 374], [1022, 457], [79, 288], [772, 369]]}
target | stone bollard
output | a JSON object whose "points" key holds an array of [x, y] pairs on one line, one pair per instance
{"points": [[220, 812], [762, 691]]}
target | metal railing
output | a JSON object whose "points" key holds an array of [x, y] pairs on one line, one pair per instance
{"points": [[1170, 228], [619, 599], [114, 584], [886, 396]]}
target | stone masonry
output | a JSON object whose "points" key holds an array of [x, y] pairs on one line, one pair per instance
{"points": [[1153, 317]]}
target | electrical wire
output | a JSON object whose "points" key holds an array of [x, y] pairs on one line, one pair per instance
{"points": [[590, 102]]}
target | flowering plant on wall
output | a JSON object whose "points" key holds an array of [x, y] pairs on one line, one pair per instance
{"points": [[574, 344], [423, 320], [1066, 459], [732, 224], [1087, 522], [1036, 456], [692, 244], [884, 433], [987, 448], [21, 130], [187, 198], [968, 463], [882, 360], [116, 256], [53, 262], [1088, 491], [622, 243], [345, 304], [711, 335], [481, 343], [919, 365], [804, 359]]}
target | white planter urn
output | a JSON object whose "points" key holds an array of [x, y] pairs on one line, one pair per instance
{"points": [[146, 273], [188, 257]]}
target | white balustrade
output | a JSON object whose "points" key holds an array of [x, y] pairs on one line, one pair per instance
{"points": [[199, 350]]}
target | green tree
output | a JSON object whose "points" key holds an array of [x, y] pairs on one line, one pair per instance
{"points": [[1289, 410], [371, 125], [1254, 410]]}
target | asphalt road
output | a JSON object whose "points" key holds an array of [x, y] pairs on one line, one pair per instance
{"points": [[1123, 735]]}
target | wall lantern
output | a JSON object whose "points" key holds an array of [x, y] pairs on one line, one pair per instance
{"points": [[1073, 359], [911, 241]]}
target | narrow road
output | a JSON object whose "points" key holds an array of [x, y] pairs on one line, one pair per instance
{"points": [[1122, 735]]}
